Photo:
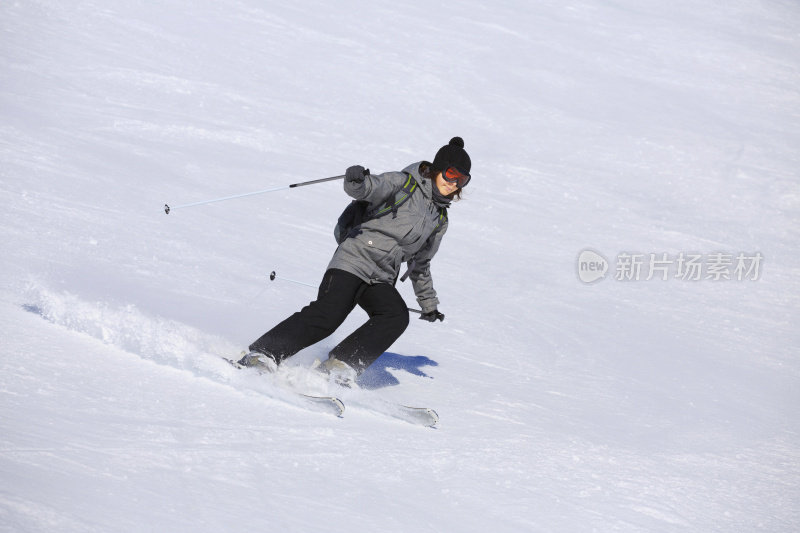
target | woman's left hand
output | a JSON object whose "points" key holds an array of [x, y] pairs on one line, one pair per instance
{"points": [[432, 316]]}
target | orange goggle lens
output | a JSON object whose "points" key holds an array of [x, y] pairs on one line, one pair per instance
{"points": [[453, 175]]}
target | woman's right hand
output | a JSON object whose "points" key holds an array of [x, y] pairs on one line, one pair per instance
{"points": [[356, 174]]}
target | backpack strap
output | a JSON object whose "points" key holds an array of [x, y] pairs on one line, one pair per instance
{"points": [[399, 199], [442, 219]]}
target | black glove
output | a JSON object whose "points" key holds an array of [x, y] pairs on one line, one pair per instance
{"points": [[432, 316], [356, 174]]}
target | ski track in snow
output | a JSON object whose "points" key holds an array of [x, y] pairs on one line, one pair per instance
{"points": [[170, 343]]}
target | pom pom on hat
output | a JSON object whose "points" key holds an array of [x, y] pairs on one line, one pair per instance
{"points": [[452, 155], [457, 141]]}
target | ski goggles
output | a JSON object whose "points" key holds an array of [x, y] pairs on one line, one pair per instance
{"points": [[453, 175]]}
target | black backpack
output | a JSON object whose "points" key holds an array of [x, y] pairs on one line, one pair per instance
{"points": [[355, 214]]}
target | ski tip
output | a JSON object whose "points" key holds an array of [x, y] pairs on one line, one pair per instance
{"points": [[434, 417], [424, 416], [340, 405], [331, 403], [337, 406]]}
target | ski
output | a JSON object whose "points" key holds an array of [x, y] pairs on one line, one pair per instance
{"points": [[328, 404], [423, 416], [419, 416]]}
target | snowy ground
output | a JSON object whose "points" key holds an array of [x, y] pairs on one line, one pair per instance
{"points": [[629, 127]]}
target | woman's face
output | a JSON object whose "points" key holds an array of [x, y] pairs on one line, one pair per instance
{"points": [[445, 187]]}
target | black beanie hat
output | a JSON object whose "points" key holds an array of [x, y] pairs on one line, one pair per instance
{"points": [[452, 155]]}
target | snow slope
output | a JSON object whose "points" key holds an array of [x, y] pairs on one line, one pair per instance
{"points": [[626, 127]]}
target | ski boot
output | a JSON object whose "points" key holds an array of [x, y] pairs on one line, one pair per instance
{"points": [[338, 372], [264, 362]]}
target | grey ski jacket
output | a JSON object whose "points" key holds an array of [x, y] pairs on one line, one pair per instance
{"points": [[377, 253]]}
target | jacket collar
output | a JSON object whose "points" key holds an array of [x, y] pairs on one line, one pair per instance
{"points": [[426, 185]]}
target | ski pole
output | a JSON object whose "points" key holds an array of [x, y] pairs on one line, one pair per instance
{"points": [[273, 276], [167, 208]]}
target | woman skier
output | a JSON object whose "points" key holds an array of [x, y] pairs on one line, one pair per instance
{"points": [[405, 220]]}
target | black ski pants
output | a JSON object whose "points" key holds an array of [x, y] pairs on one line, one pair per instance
{"points": [[339, 293]]}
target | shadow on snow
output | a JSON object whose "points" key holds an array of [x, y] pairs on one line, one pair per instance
{"points": [[377, 376]]}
